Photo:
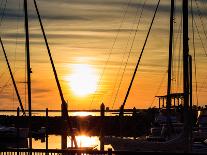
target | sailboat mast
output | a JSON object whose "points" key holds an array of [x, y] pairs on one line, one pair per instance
{"points": [[12, 77], [64, 104], [186, 74], [168, 104], [28, 70]]}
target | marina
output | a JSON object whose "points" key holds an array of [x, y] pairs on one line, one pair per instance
{"points": [[177, 123]]}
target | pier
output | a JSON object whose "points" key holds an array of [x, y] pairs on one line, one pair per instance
{"points": [[90, 125]]}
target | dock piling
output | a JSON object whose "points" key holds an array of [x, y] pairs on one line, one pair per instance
{"points": [[102, 110], [46, 132]]}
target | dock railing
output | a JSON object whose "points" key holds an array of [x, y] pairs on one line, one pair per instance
{"points": [[66, 152], [53, 152]]}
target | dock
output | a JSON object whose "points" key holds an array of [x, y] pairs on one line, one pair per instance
{"points": [[90, 125]]}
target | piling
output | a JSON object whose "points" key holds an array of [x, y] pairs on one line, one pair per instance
{"points": [[17, 126], [102, 110], [46, 132]]}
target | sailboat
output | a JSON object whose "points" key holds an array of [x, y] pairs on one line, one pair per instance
{"points": [[182, 141]]}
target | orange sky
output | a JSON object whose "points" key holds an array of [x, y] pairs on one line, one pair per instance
{"points": [[99, 34]]}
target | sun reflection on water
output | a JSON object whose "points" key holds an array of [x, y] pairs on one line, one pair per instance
{"points": [[87, 141]]}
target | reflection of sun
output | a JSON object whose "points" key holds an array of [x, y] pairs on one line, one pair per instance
{"points": [[82, 113], [83, 80], [86, 141]]}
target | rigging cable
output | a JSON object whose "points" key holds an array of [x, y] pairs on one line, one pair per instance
{"points": [[3, 13], [200, 17], [194, 55], [12, 77], [142, 9], [159, 87], [175, 42], [16, 42], [122, 62], [136, 68], [200, 37], [2, 9], [179, 75], [111, 49]]}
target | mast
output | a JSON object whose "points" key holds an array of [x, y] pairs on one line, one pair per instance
{"points": [[186, 75], [191, 100], [28, 71], [168, 104], [64, 105], [12, 77]]}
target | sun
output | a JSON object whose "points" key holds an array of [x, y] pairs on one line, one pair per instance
{"points": [[83, 80]]}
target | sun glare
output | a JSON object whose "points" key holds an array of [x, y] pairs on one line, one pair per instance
{"points": [[83, 80], [85, 141]]}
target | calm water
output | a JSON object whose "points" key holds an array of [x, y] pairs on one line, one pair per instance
{"points": [[52, 113], [54, 142]]}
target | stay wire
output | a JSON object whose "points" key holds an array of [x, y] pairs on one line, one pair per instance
{"points": [[136, 68], [130, 51], [194, 55], [200, 37], [179, 75], [158, 89], [3, 13], [200, 17], [111, 49]]}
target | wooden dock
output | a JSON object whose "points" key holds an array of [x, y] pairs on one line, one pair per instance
{"points": [[92, 125]]}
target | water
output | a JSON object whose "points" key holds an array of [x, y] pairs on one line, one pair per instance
{"points": [[58, 113], [54, 142]]}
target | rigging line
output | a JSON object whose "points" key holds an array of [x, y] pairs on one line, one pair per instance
{"points": [[125, 49], [200, 17], [3, 13], [122, 62], [1, 5], [5, 86], [159, 87], [110, 51], [128, 91], [174, 49], [176, 38], [12, 77], [16, 42], [179, 75], [200, 37], [138, 23], [194, 55], [202, 85]]}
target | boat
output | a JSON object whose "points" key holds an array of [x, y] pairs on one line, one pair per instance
{"points": [[12, 137], [161, 138], [13, 133], [200, 132]]}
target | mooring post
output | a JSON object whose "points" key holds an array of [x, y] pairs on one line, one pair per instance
{"points": [[17, 126], [102, 112], [64, 131], [159, 103], [46, 132]]}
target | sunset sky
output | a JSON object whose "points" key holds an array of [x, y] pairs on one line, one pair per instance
{"points": [[91, 43]]}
